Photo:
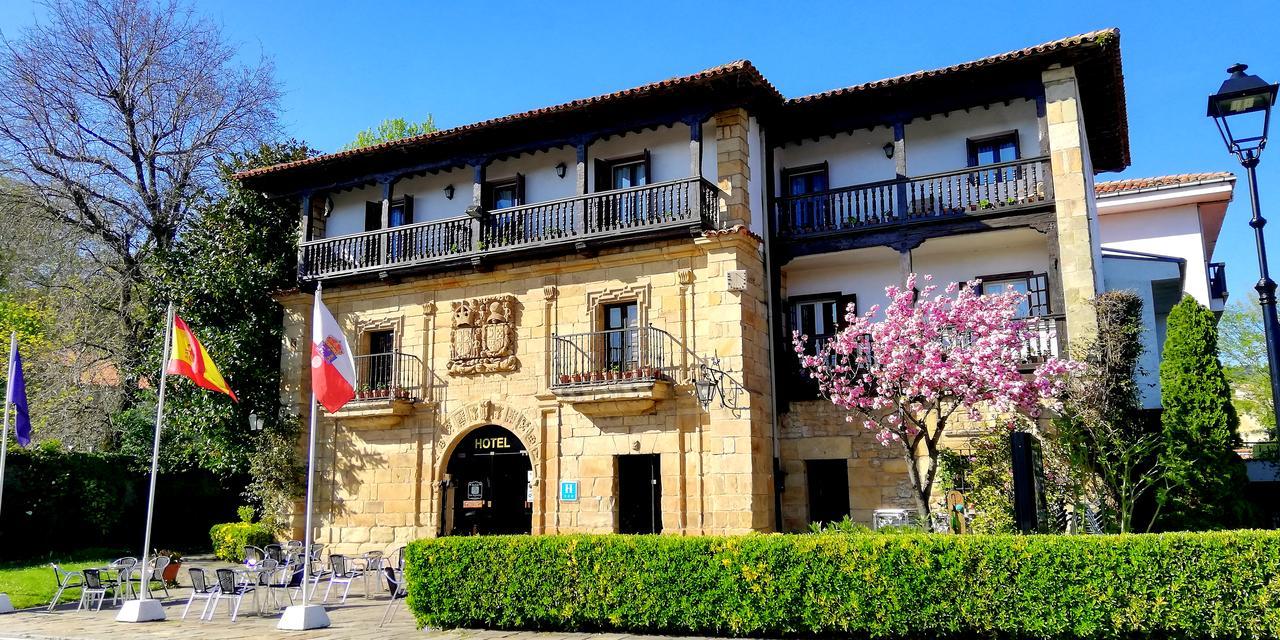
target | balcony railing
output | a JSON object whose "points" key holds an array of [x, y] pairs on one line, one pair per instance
{"points": [[614, 357], [972, 191], [1218, 280], [388, 376], [636, 211]]}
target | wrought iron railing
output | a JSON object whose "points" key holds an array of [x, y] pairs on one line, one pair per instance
{"points": [[633, 211], [388, 376], [971, 191], [615, 356], [1218, 280]]}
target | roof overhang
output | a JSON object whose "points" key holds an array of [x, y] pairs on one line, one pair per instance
{"points": [[1209, 193]]}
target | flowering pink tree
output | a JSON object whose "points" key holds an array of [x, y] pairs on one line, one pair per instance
{"points": [[906, 375]]}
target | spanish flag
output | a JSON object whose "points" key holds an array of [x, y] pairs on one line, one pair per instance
{"points": [[191, 360]]}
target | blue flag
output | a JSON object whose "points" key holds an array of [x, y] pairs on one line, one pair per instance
{"points": [[22, 428]]}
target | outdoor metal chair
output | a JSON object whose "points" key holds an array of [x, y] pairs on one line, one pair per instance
{"points": [[398, 559], [293, 545], [253, 555], [317, 569], [275, 552], [121, 588], [94, 588], [66, 580], [341, 572], [372, 568], [153, 571], [396, 586], [231, 591], [286, 578], [200, 590]]}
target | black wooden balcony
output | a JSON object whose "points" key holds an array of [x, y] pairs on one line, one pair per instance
{"points": [[1218, 280], [639, 213], [990, 189]]}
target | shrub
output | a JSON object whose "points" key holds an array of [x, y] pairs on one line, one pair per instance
{"points": [[230, 539], [1222, 584]]}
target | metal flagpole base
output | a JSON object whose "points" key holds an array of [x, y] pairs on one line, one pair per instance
{"points": [[149, 610], [5, 605], [300, 617]]}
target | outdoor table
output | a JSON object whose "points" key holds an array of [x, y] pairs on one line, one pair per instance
{"points": [[251, 576], [361, 562], [105, 574]]}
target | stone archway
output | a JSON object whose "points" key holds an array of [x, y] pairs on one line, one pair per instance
{"points": [[466, 420]]}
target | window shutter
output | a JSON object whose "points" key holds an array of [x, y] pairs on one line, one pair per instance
{"points": [[841, 305], [519, 189], [604, 181], [372, 216], [408, 209], [1038, 295], [648, 168]]}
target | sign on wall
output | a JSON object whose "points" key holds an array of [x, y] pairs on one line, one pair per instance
{"points": [[568, 490], [475, 490]]}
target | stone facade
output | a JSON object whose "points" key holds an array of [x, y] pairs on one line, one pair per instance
{"points": [[381, 464]]}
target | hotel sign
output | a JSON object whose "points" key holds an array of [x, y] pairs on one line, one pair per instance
{"points": [[490, 444], [568, 491]]}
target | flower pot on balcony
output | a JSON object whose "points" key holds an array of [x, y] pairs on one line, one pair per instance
{"points": [[577, 377], [629, 374], [597, 376]]}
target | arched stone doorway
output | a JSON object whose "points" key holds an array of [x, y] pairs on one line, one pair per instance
{"points": [[492, 483]]}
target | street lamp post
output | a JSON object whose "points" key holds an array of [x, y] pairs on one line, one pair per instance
{"points": [[1245, 101]]}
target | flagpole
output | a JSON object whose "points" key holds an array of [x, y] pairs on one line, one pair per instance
{"points": [[155, 452], [8, 400], [311, 472]]}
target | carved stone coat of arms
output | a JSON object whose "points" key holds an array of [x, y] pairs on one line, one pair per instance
{"points": [[484, 336]]}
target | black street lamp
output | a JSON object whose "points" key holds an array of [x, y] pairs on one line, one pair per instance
{"points": [[1245, 101]]}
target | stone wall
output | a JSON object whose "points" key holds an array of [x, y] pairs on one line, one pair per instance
{"points": [[380, 464]]}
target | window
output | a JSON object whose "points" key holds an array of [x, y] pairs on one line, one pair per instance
{"points": [[1034, 286], [621, 337], [399, 214], [828, 484], [1002, 147], [627, 209], [807, 211], [820, 315], [502, 194], [378, 360]]}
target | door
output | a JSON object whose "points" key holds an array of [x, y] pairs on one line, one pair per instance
{"points": [[621, 337], [379, 368], [828, 483], [804, 186], [639, 494], [630, 208], [491, 477]]}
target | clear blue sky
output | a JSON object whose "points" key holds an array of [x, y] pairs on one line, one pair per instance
{"points": [[347, 65]]}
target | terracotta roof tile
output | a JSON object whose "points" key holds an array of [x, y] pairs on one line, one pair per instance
{"points": [[1136, 184], [737, 66]]}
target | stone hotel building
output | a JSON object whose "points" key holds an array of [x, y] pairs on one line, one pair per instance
{"points": [[533, 297]]}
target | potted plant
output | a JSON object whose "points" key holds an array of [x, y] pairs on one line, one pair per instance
{"points": [[565, 378], [382, 392], [597, 376], [401, 393], [577, 377], [170, 572], [362, 392]]}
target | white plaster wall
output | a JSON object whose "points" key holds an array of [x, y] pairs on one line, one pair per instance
{"points": [[1137, 276], [668, 152], [1173, 231], [940, 143], [852, 158], [962, 258], [866, 272], [668, 149]]}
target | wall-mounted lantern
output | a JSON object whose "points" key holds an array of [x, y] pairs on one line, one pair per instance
{"points": [[448, 192], [888, 149], [255, 421], [560, 170], [711, 382]]}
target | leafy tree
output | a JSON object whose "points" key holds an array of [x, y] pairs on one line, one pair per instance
{"points": [[907, 375], [112, 116], [1242, 346], [239, 250], [392, 129], [1102, 424], [1203, 476]]}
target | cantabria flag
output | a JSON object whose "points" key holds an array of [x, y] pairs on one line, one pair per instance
{"points": [[333, 371], [191, 360]]}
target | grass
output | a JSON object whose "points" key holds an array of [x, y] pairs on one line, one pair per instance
{"points": [[31, 583]]}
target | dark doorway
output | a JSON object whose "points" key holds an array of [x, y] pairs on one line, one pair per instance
{"points": [[639, 494], [491, 478], [828, 489]]}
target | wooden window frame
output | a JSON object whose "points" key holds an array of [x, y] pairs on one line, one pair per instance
{"points": [[1026, 276], [791, 172], [973, 144], [515, 182], [604, 169]]}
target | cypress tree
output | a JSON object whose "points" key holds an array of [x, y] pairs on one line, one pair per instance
{"points": [[1203, 476]]}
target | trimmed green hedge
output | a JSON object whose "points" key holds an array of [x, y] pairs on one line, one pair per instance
{"points": [[1224, 584], [230, 539]]}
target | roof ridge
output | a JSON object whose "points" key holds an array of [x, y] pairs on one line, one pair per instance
{"points": [[1038, 48]]}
